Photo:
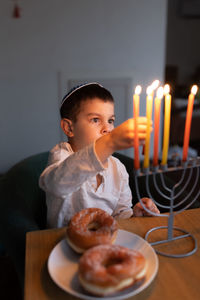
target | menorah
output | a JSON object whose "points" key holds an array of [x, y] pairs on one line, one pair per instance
{"points": [[175, 199]]}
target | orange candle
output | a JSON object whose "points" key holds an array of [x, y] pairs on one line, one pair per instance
{"points": [[157, 105], [149, 102], [188, 121], [166, 124], [136, 108]]}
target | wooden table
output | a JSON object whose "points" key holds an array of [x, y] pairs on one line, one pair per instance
{"points": [[177, 278]]}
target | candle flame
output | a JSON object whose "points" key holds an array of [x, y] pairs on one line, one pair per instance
{"points": [[194, 89], [155, 84], [160, 92], [166, 89], [149, 90], [138, 89]]}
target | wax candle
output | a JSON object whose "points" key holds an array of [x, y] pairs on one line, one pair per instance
{"points": [[188, 121], [166, 124], [157, 105], [153, 87], [149, 102], [136, 108]]}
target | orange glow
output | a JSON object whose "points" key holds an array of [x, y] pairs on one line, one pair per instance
{"points": [[157, 106], [166, 89], [138, 90], [149, 102], [149, 90], [159, 93], [188, 121], [194, 89], [136, 109], [155, 84], [167, 117]]}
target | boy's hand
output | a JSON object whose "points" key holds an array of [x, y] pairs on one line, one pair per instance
{"points": [[123, 135], [139, 211]]}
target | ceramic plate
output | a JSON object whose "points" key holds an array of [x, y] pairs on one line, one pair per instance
{"points": [[63, 267]]}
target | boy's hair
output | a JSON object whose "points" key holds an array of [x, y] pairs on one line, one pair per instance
{"points": [[71, 103]]}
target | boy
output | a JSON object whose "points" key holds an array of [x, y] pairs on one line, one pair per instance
{"points": [[82, 172]]}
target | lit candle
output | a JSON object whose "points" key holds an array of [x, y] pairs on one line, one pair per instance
{"points": [[136, 108], [149, 102], [166, 124], [188, 121], [155, 84], [157, 105]]}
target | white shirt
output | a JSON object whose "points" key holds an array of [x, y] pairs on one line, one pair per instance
{"points": [[70, 184]]}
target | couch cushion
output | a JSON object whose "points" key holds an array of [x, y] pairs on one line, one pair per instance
{"points": [[20, 189]]}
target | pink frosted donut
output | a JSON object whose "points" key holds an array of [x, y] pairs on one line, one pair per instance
{"points": [[91, 227], [106, 269]]}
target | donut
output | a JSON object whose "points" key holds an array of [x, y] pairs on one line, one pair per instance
{"points": [[91, 227], [107, 269]]}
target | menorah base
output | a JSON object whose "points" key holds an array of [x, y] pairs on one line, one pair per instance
{"points": [[186, 235]]}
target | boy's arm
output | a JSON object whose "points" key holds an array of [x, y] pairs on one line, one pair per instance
{"points": [[121, 137], [67, 172]]}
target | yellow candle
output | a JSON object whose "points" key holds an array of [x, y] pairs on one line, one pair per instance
{"points": [[149, 102], [157, 105], [136, 108], [188, 121], [166, 124]]}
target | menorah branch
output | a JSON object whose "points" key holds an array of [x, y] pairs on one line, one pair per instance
{"points": [[174, 199]]}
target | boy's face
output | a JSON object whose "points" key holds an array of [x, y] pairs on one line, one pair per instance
{"points": [[95, 119]]}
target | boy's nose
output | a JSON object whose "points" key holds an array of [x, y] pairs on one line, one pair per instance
{"points": [[105, 129]]}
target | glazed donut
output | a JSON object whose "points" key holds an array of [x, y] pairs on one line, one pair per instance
{"points": [[107, 269], [91, 227]]}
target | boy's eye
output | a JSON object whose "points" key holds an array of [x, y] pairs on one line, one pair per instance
{"points": [[95, 120], [111, 121]]}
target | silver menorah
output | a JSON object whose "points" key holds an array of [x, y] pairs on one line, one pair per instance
{"points": [[173, 199]]}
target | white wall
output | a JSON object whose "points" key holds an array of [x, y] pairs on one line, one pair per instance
{"points": [[58, 40]]}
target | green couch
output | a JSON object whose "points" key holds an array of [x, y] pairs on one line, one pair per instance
{"points": [[22, 207]]}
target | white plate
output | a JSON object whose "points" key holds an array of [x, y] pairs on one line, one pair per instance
{"points": [[63, 267]]}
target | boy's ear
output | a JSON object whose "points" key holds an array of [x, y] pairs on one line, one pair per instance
{"points": [[66, 125]]}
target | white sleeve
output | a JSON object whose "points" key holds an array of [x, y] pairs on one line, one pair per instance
{"points": [[123, 210], [66, 171]]}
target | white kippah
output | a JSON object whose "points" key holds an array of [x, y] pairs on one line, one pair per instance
{"points": [[76, 88]]}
